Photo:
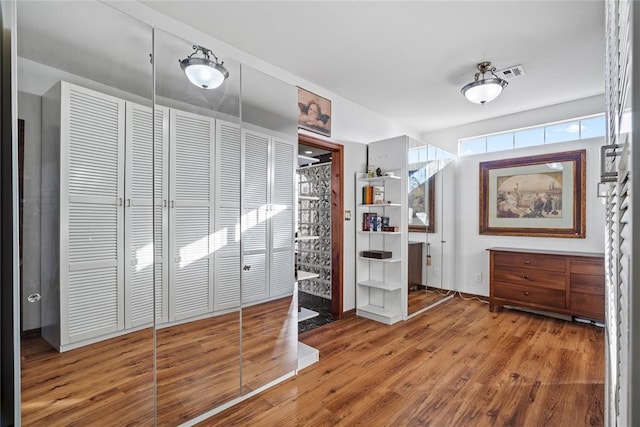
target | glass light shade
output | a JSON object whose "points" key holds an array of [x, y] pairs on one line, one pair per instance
{"points": [[204, 73], [483, 91]]}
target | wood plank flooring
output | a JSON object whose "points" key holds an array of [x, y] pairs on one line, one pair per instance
{"points": [[455, 365], [421, 298], [111, 383]]}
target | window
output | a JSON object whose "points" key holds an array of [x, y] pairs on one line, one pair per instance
{"points": [[569, 130]]}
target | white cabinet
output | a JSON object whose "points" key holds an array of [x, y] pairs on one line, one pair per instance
{"points": [[139, 191], [191, 196], [380, 281], [104, 183], [227, 217], [268, 197], [82, 215]]}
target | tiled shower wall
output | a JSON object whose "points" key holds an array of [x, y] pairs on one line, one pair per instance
{"points": [[314, 219]]}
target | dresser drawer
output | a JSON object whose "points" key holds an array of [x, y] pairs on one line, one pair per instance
{"points": [[587, 284], [587, 305], [587, 267], [530, 277], [531, 295], [530, 261]]}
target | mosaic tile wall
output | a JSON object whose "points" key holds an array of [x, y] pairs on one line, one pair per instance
{"points": [[314, 219]]}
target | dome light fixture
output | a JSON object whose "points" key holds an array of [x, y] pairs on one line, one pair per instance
{"points": [[204, 72], [481, 90]]}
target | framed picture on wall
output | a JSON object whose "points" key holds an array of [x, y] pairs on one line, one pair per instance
{"points": [[542, 196], [314, 112]]}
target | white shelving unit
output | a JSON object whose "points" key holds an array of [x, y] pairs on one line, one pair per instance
{"points": [[381, 282]]}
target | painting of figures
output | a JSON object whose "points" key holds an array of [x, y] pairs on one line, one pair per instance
{"points": [[530, 195], [536, 196]]}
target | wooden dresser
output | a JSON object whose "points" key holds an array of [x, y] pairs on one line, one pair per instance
{"points": [[563, 282]]}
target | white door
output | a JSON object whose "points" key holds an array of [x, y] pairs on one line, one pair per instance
{"points": [[92, 164], [191, 214], [138, 235], [255, 149], [281, 212], [227, 217], [161, 212]]}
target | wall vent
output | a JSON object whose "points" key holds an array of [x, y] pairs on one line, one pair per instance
{"points": [[511, 73]]}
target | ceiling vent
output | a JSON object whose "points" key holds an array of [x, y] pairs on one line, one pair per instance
{"points": [[511, 72]]}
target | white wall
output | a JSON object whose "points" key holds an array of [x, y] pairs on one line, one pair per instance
{"points": [[471, 254], [355, 160], [30, 110]]}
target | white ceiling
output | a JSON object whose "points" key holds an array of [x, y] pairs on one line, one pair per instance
{"points": [[408, 60]]}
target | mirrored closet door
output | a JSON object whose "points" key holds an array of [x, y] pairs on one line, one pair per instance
{"points": [[197, 235], [431, 232], [86, 291], [269, 299]]}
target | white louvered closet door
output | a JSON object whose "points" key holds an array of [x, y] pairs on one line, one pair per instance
{"points": [[191, 214], [92, 164], [283, 163], [227, 217], [255, 148], [138, 235], [161, 213]]}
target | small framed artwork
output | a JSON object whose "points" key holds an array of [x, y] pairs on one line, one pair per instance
{"points": [[314, 112], [541, 196]]}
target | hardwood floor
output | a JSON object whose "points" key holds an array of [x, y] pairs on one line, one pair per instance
{"points": [[197, 368], [455, 365], [421, 298], [108, 382]]}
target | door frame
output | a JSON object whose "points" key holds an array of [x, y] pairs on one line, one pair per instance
{"points": [[337, 217]]}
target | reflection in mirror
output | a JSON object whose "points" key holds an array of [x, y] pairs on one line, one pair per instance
{"points": [[86, 311], [430, 196], [197, 236], [269, 309]]}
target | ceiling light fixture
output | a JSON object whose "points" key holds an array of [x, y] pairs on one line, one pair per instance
{"points": [[481, 90], [204, 72]]}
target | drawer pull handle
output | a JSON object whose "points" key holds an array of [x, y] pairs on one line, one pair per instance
{"points": [[527, 262], [526, 293], [526, 276]]}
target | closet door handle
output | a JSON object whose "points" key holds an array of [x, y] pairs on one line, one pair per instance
{"points": [[119, 201], [128, 203], [164, 203], [173, 204]]}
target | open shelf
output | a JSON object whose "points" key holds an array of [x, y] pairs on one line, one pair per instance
{"points": [[377, 259], [379, 232], [379, 314], [380, 285], [380, 178], [306, 314], [380, 205], [305, 275]]}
